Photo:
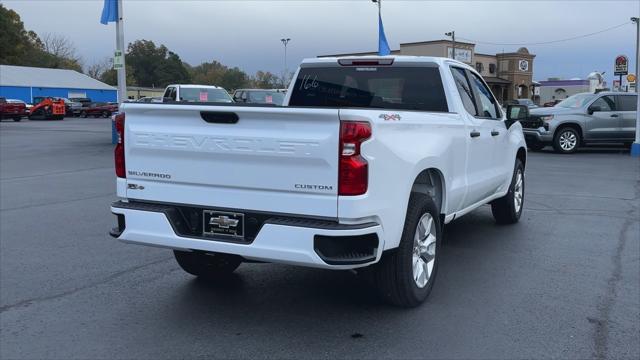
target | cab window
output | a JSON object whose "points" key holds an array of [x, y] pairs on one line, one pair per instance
{"points": [[605, 103], [484, 99], [464, 89], [627, 102]]}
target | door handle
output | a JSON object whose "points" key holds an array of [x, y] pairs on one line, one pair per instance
{"points": [[495, 132], [475, 133], [614, 115]]}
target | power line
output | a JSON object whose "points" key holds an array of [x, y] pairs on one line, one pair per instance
{"points": [[548, 42]]}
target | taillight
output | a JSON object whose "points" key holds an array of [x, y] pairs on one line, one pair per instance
{"points": [[353, 172], [119, 150]]}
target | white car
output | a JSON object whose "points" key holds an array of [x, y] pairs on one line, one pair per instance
{"points": [[196, 93], [361, 168]]}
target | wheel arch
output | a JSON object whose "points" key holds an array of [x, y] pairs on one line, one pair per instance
{"points": [[522, 156], [571, 124], [431, 182]]}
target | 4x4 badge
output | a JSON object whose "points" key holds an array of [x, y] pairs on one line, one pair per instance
{"points": [[390, 117]]}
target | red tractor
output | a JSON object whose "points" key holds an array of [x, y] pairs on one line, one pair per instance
{"points": [[48, 109]]}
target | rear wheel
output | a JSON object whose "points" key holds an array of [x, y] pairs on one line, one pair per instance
{"points": [[83, 114], [207, 265], [405, 276], [105, 114], [17, 118], [566, 140], [507, 209]]}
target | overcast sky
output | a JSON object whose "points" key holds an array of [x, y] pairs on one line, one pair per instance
{"points": [[247, 33]]}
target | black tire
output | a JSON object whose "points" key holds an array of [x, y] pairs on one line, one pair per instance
{"points": [[536, 146], [17, 118], [564, 137], [83, 114], [504, 209], [105, 114], [207, 265], [394, 274]]}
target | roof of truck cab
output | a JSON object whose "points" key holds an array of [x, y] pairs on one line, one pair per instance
{"points": [[396, 59], [196, 86]]}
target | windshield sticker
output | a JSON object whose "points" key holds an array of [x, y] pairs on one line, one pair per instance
{"points": [[204, 96], [268, 99], [308, 83]]}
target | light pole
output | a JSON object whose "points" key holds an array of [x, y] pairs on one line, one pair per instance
{"points": [[635, 148], [452, 34], [379, 2], [285, 41]]}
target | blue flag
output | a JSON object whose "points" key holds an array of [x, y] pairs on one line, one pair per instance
{"points": [[383, 46], [109, 12]]}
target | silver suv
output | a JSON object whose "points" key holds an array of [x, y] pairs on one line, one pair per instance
{"points": [[581, 119]]}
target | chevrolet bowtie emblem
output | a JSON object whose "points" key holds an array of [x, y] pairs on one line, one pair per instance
{"points": [[223, 222]]}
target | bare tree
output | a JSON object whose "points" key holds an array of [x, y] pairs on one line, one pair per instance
{"points": [[98, 68], [60, 46]]}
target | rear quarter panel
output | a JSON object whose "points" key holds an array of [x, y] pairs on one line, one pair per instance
{"points": [[397, 152]]}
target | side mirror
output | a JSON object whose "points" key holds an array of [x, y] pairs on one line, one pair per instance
{"points": [[516, 113], [593, 109]]}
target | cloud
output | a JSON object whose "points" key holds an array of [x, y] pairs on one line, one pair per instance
{"points": [[247, 33]]}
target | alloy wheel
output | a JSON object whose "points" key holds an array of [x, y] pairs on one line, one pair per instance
{"points": [[424, 250], [518, 191], [568, 140]]}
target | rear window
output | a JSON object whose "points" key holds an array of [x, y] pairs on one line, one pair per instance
{"points": [[204, 95], [401, 88], [266, 97]]}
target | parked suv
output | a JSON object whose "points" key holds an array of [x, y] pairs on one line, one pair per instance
{"points": [[583, 119]]}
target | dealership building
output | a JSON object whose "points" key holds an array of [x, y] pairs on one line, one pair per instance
{"points": [[25, 83], [510, 75]]}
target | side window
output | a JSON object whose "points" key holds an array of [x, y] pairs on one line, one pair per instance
{"points": [[606, 103], [464, 89], [484, 99], [627, 102], [167, 93]]}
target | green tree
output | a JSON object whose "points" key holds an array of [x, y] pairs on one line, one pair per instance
{"points": [[173, 70], [208, 73], [265, 80], [156, 66], [25, 48], [110, 77]]}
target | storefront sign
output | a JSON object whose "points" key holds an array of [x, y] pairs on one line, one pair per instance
{"points": [[463, 55], [621, 65]]}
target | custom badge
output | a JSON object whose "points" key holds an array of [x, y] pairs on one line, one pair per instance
{"points": [[390, 117]]}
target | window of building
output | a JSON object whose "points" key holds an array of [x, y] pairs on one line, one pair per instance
{"points": [[479, 67], [464, 89], [492, 68]]}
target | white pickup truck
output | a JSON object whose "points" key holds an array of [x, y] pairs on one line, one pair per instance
{"points": [[362, 167]]}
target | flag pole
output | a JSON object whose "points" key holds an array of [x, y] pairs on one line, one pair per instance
{"points": [[122, 72]]}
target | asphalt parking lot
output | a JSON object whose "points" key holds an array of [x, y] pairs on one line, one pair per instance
{"points": [[563, 283]]}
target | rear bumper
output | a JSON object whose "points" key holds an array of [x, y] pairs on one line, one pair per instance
{"points": [[307, 243]]}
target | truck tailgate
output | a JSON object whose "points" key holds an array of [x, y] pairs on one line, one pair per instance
{"points": [[282, 160]]}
